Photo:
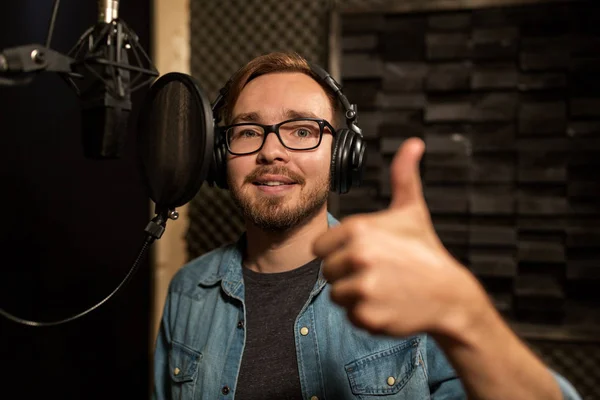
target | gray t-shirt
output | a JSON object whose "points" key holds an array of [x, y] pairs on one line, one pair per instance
{"points": [[269, 367]]}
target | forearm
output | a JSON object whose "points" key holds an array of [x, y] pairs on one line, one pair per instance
{"points": [[493, 363]]}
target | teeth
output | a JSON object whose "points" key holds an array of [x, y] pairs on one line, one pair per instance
{"points": [[272, 183]]}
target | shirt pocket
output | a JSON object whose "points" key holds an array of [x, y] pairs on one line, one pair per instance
{"points": [[183, 363], [385, 372]]}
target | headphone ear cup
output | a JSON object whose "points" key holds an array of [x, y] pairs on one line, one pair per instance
{"points": [[345, 162], [217, 175], [336, 155], [211, 177], [220, 157], [357, 160], [348, 161]]}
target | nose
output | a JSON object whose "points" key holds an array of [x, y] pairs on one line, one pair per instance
{"points": [[272, 150]]}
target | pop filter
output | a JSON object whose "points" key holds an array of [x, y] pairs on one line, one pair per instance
{"points": [[175, 140], [175, 150]]}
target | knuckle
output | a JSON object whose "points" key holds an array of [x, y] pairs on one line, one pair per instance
{"points": [[359, 316], [365, 318], [334, 294], [357, 226], [366, 287], [327, 271], [359, 257], [361, 291]]}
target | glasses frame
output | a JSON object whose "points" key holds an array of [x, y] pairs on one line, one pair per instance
{"points": [[275, 129]]}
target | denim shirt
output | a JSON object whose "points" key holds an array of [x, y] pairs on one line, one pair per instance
{"points": [[201, 341]]}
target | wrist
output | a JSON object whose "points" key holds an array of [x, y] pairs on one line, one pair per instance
{"points": [[486, 353], [471, 317]]}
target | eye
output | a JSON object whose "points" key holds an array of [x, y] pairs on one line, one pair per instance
{"points": [[244, 132], [303, 133], [248, 133]]}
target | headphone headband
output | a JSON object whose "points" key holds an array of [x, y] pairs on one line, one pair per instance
{"points": [[350, 110], [218, 103]]}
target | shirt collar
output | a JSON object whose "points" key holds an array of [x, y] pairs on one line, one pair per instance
{"points": [[229, 271]]}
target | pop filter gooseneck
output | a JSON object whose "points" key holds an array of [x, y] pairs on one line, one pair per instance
{"points": [[175, 141]]}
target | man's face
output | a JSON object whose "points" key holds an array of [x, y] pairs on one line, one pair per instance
{"points": [[277, 188]]}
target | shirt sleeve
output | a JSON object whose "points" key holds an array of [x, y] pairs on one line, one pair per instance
{"points": [[568, 391], [161, 389], [444, 383]]}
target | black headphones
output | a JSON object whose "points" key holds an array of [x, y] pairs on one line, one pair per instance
{"points": [[348, 152]]}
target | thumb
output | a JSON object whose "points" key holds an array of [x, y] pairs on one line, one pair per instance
{"points": [[404, 173]]}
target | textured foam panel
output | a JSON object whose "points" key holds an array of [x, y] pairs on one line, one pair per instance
{"points": [[511, 129], [224, 36], [578, 362], [506, 99]]}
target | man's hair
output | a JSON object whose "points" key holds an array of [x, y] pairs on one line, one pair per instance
{"points": [[269, 63]]}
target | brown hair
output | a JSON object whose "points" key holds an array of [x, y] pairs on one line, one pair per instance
{"points": [[269, 63]]}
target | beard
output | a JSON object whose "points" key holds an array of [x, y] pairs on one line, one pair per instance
{"points": [[274, 213]]}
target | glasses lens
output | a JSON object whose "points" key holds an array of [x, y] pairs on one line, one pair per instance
{"points": [[300, 135], [245, 138], [296, 135]]}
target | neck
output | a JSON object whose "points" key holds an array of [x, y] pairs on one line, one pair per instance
{"points": [[271, 252]]}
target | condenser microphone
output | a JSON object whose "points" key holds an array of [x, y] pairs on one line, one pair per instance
{"points": [[106, 99], [104, 67], [111, 64], [105, 90]]}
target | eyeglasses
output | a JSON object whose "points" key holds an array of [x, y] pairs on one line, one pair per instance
{"points": [[294, 134]]}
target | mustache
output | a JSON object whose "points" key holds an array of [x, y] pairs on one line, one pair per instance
{"points": [[274, 170]]}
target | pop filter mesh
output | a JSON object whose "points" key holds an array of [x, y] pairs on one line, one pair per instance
{"points": [[173, 141]]}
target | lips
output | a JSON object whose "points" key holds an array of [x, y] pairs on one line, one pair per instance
{"points": [[273, 180], [274, 177]]}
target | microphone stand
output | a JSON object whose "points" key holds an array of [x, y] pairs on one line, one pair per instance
{"points": [[154, 230], [19, 65], [156, 227]]}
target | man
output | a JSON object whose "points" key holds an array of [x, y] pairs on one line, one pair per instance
{"points": [[302, 307]]}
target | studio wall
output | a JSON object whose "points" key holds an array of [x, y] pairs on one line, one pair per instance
{"points": [[496, 98], [507, 102]]}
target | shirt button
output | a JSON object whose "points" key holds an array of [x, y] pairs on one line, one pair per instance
{"points": [[176, 371], [241, 324], [304, 331], [225, 390], [391, 381]]}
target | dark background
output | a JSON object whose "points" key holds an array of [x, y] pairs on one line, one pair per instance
{"points": [[506, 99], [71, 228]]}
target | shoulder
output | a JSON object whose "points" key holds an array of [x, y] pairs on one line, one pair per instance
{"points": [[204, 269]]}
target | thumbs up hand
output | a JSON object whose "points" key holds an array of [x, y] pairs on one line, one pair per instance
{"points": [[389, 269]]}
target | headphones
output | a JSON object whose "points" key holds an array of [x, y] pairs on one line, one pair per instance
{"points": [[348, 152]]}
